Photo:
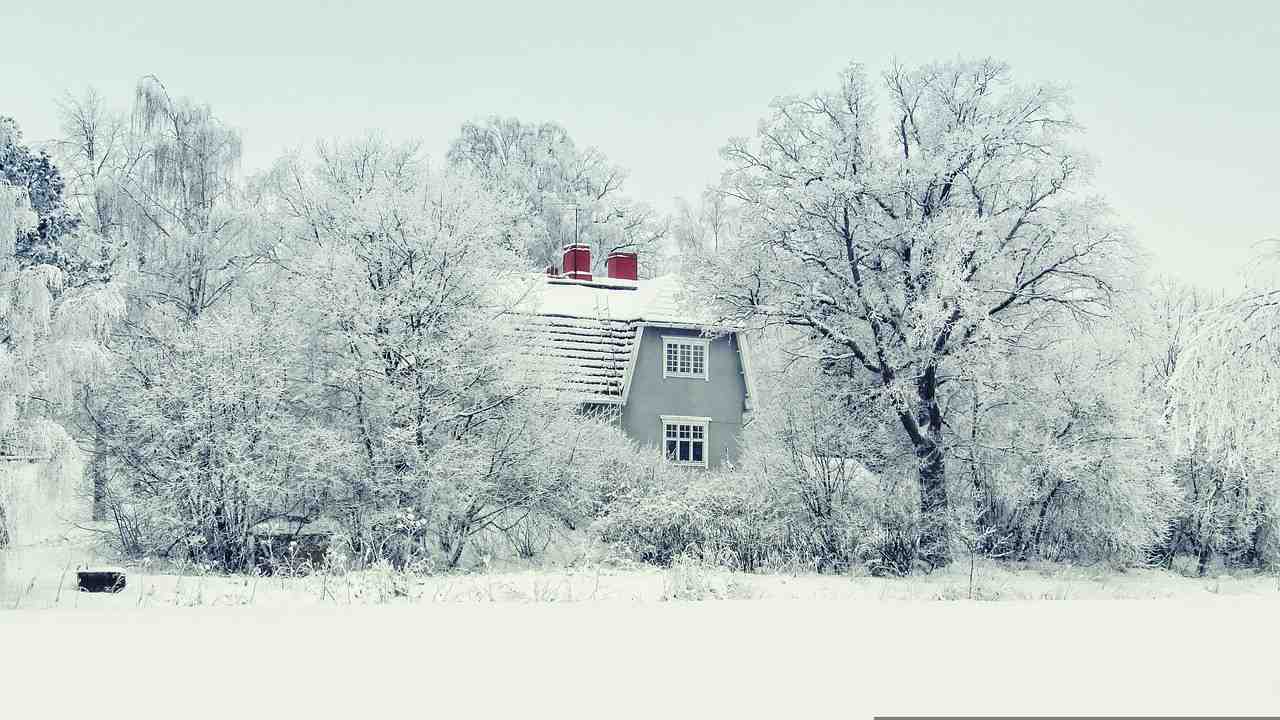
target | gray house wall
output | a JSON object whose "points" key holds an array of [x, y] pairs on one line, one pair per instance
{"points": [[721, 396]]}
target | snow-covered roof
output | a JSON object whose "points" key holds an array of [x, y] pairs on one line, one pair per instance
{"points": [[584, 332], [584, 359], [653, 301]]}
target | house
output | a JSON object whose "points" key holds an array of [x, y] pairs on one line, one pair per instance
{"points": [[625, 347]]}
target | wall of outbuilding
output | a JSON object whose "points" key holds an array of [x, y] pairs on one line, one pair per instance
{"points": [[42, 501]]}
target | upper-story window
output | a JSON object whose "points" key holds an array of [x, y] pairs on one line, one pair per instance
{"points": [[684, 357]]}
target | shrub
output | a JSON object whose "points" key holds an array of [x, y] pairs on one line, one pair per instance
{"points": [[212, 444], [720, 517], [760, 520]]}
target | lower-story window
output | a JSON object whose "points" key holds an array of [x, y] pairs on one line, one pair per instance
{"points": [[684, 439]]}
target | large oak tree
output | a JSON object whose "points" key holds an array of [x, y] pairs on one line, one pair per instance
{"points": [[913, 226]]}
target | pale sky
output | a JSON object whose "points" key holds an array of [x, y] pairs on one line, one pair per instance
{"points": [[1181, 100]]}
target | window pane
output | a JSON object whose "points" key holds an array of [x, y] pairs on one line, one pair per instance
{"points": [[684, 450], [697, 452], [697, 432], [671, 449], [685, 358]]}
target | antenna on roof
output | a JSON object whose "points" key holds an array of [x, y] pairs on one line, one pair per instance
{"points": [[577, 210]]}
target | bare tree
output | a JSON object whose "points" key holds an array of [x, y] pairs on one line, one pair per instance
{"points": [[188, 231], [701, 227], [913, 237], [568, 193], [93, 147]]}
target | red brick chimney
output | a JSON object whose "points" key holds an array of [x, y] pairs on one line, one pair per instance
{"points": [[623, 265], [577, 261]]}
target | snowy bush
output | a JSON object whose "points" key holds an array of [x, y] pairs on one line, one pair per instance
{"points": [[719, 518], [756, 522], [211, 443], [1065, 458]]}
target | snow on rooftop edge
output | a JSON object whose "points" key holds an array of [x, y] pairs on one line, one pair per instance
{"points": [[653, 300]]}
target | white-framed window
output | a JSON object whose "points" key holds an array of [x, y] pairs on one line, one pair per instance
{"points": [[684, 439], [684, 357]]}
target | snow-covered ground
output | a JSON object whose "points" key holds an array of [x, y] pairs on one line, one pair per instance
{"points": [[1213, 655], [609, 642]]}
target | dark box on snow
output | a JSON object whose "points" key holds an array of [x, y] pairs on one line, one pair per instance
{"points": [[101, 580]]}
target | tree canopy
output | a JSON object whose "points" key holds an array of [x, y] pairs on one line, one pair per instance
{"points": [[916, 226], [36, 173], [957, 347]]}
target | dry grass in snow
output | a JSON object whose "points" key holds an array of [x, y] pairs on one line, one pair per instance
{"points": [[605, 641], [44, 578]]}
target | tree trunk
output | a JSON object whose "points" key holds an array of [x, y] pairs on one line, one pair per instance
{"points": [[935, 525], [1206, 553], [1044, 514], [925, 430], [1170, 551], [455, 551], [1256, 543], [99, 478]]}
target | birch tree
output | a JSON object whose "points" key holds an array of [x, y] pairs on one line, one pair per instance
{"points": [[701, 227], [93, 149], [189, 230], [160, 187], [911, 225]]}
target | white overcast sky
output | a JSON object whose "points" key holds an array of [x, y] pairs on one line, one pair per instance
{"points": [[1181, 100]]}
